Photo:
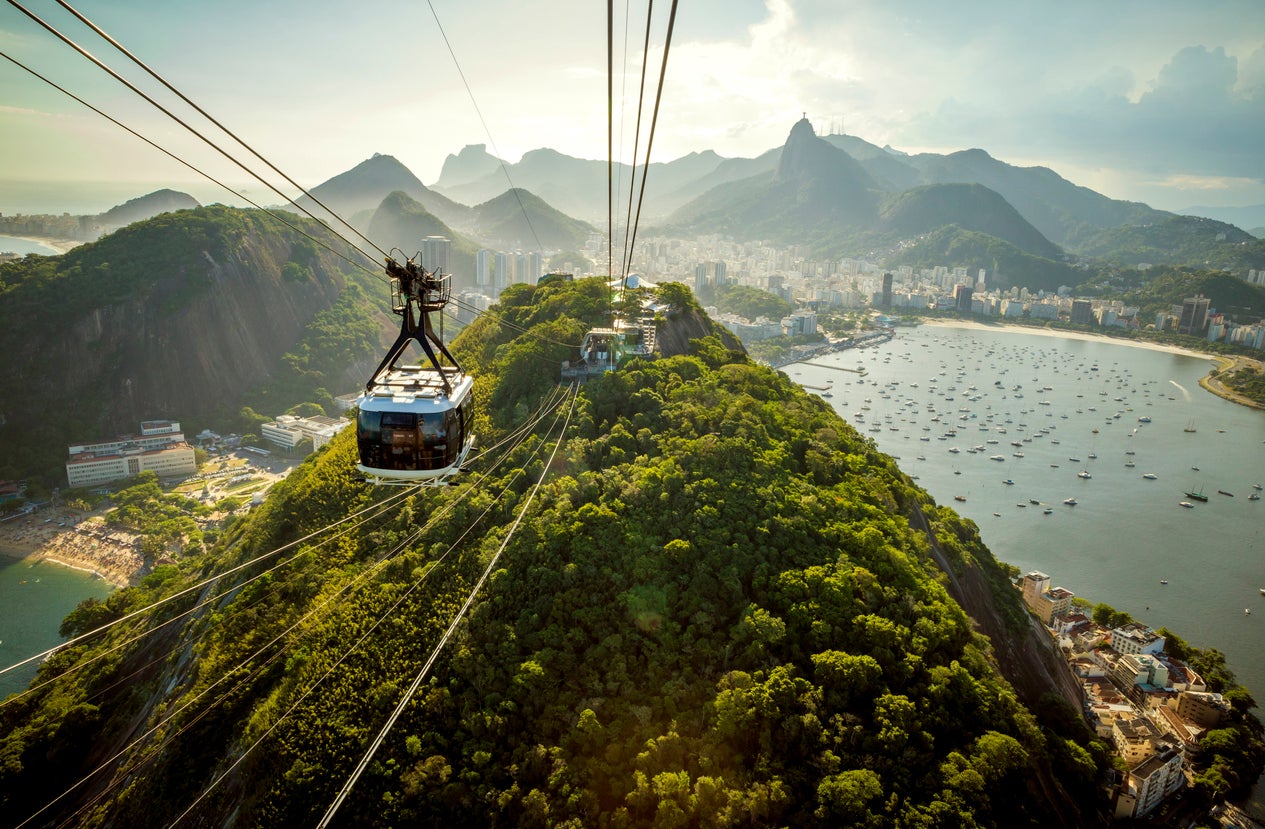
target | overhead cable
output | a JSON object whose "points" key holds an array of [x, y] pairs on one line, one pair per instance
{"points": [[195, 169], [210, 118], [486, 131], [408, 695], [101, 64], [667, 44]]}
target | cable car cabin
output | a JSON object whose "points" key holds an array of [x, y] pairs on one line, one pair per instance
{"points": [[410, 431]]}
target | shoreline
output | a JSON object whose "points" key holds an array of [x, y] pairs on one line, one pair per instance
{"points": [[109, 554], [1210, 382], [59, 245]]}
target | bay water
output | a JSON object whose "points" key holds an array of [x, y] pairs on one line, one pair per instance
{"points": [[15, 244], [1090, 418], [34, 598]]}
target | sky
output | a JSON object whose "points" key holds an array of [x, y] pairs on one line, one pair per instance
{"points": [[1161, 101]]}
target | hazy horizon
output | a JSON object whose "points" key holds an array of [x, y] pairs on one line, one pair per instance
{"points": [[1159, 101]]}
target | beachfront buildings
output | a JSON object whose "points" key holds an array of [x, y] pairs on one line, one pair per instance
{"points": [[1045, 601], [159, 448]]}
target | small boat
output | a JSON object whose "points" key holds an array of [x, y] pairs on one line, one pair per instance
{"points": [[1257, 487], [1247, 611], [1197, 496], [1255, 496], [1034, 502], [1187, 504], [1263, 591], [1008, 482], [1150, 476], [1048, 511], [1190, 426], [1084, 474], [959, 497], [1223, 492], [1163, 581], [1071, 502], [1144, 419]]}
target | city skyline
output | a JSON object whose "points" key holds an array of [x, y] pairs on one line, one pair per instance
{"points": [[1160, 102]]}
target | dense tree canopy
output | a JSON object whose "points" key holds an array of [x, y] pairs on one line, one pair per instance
{"points": [[715, 613]]}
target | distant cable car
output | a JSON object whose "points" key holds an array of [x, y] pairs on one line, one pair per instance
{"points": [[414, 424]]}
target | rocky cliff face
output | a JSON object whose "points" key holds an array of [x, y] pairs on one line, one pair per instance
{"points": [[99, 341]]}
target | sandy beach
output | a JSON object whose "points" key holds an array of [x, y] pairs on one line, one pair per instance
{"points": [[87, 545], [59, 245], [1209, 382]]}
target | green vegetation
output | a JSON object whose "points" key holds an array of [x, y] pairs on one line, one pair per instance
{"points": [[717, 612], [1232, 756], [161, 304], [750, 303], [1160, 289], [775, 350], [1177, 240], [1005, 263], [163, 519], [521, 216], [1247, 381]]}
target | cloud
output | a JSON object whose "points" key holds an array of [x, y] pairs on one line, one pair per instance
{"points": [[1196, 119]]}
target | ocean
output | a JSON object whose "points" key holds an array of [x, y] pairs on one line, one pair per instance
{"points": [[35, 597], [13, 244], [1112, 411]]}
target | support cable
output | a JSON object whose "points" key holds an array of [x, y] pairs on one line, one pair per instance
{"points": [[257, 559], [610, 141], [486, 131], [197, 170], [123, 775], [99, 63], [78, 666], [344, 656], [408, 695], [667, 44], [105, 36], [626, 259]]}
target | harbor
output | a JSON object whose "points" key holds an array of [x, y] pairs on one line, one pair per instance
{"points": [[1001, 423]]}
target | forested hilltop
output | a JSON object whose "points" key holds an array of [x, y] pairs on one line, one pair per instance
{"points": [[721, 609], [190, 316]]}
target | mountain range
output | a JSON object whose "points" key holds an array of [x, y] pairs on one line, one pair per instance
{"points": [[838, 194]]}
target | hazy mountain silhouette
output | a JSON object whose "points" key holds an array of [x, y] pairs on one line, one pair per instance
{"points": [[969, 206], [364, 186], [145, 207], [520, 219]]}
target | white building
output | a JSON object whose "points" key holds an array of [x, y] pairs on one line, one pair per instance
{"points": [[289, 431], [159, 448], [1149, 782], [1136, 638]]}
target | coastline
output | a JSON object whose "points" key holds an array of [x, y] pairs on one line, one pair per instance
{"points": [[1070, 335], [88, 546], [1210, 382], [59, 245]]}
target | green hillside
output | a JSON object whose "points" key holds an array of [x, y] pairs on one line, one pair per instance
{"points": [[401, 223], [971, 207], [716, 612], [518, 218], [1179, 240], [1006, 264], [187, 316]]}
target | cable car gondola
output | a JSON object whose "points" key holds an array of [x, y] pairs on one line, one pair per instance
{"points": [[414, 424]]}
